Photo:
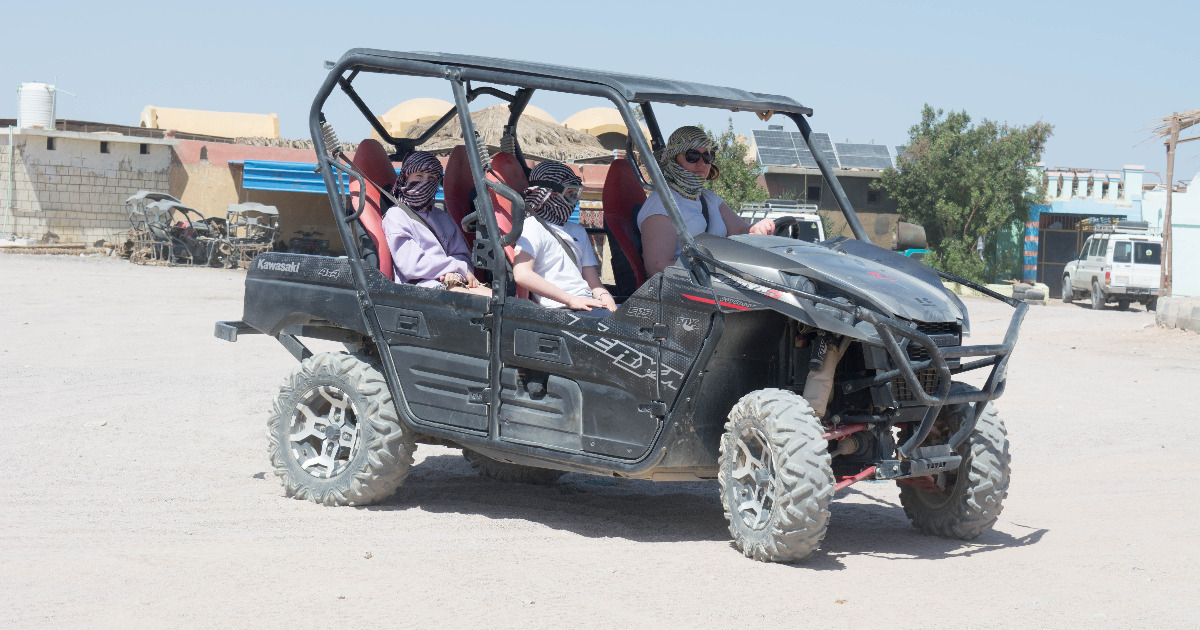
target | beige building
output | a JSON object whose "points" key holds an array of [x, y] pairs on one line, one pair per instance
{"points": [[71, 187], [223, 124]]}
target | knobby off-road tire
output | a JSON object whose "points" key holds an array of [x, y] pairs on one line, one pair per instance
{"points": [[974, 494], [775, 476], [1068, 294], [334, 436], [505, 471]]}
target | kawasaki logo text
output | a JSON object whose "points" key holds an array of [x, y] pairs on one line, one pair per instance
{"points": [[293, 267]]}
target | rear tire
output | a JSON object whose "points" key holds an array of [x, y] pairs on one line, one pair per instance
{"points": [[335, 439], [1097, 296], [775, 476], [1123, 305], [1068, 294], [974, 494], [1152, 305], [505, 471]]}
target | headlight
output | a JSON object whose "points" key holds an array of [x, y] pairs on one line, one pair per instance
{"points": [[799, 282]]}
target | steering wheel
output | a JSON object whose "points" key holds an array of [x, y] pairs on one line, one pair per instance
{"points": [[788, 227]]}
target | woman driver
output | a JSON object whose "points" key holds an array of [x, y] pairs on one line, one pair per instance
{"points": [[686, 162]]}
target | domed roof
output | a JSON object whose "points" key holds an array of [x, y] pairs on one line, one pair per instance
{"points": [[538, 113], [410, 112], [598, 120]]}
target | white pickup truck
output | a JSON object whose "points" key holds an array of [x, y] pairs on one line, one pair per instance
{"points": [[1116, 266]]}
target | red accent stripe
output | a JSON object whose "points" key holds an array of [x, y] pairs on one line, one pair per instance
{"points": [[696, 298]]}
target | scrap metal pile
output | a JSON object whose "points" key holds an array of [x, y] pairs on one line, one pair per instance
{"points": [[165, 231]]}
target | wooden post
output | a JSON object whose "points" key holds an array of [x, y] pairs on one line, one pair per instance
{"points": [[1165, 276]]}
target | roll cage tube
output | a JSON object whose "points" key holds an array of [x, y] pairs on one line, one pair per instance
{"points": [[839, 195], [327, 165]]}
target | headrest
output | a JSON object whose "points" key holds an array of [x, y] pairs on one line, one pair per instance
{"points": [[373, 161]]}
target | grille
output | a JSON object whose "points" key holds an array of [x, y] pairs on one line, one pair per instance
{"points": [[942, 333], [928, 379], [938, 328]]}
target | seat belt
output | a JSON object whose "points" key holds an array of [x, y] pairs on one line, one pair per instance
{"points": [[561, 241]]}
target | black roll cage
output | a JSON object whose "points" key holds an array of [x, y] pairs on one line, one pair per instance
{"points": [[489, 250]]}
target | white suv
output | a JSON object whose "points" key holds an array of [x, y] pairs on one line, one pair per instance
{"points": [[806, 225], [1116, 267]]}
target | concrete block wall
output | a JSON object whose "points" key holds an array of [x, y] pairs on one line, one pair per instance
{"points": [[1178, 312], [74, 190]]}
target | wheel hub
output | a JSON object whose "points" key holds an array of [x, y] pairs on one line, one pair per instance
{"points": [[324, 431], [753, 478]]}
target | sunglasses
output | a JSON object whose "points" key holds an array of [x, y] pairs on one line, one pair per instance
{"points": [[693, 156], [566, 190]]}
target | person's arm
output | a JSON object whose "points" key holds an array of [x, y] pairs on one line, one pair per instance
{"points": [[591, 275], [735, 224], [658, 243], [530, 280], [416, 255]]}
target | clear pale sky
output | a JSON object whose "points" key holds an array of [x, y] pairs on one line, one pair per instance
{"points": [[1100, 72]]}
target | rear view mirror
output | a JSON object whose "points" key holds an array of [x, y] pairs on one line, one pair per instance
{"points": [[908, 236]]}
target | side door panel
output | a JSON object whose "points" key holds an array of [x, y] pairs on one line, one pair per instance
{"points": [[439, 346], [581, 384]]}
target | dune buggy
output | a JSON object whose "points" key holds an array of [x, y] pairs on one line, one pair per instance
{"points": [[786, 370]]}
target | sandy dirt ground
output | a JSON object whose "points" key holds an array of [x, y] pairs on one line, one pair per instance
{"points": [[139, 494]]}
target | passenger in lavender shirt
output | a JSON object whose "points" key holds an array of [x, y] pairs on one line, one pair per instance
{"points": [[437, 259]]}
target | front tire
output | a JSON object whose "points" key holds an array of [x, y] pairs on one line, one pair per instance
{"points": [[335, 438], [775, 476], [973, 495]]}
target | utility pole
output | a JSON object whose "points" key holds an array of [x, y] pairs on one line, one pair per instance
{"points": [[1165, 267], [1168, 129]]}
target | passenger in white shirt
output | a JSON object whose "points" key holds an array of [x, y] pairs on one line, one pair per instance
{"points": [[554, 257], [686, 162]]}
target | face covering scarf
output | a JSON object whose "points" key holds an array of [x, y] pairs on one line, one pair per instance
{"points": [[418, 195], [680, 179], [543, 200]]}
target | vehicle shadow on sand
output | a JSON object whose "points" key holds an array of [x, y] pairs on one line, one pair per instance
{"points": [[644, 511]]}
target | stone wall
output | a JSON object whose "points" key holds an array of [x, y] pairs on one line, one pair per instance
{"points": [[74, 185]]}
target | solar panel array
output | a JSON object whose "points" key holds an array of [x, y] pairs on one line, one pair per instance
{"points": [[787, 148], [864, 155], [822, 143]]}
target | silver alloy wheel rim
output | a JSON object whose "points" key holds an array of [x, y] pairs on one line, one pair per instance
{"points": [[324, 433], [753, 479]]}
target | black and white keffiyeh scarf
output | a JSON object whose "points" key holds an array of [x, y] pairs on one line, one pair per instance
{"points": [[418, 195], [544, 197]]}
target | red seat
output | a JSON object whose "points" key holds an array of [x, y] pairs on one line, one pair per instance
{"points": [[458, 184], [456, 189], [373, 161], [623, 194]]}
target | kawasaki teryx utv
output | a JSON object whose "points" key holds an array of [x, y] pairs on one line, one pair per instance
{"points": [[784, 369]]}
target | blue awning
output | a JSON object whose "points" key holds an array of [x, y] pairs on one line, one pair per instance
{"points": [[284, 176], [291, 177]]}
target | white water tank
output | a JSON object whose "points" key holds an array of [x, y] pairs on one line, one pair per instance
{"points": [[35, 106]]}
